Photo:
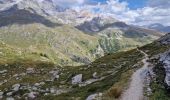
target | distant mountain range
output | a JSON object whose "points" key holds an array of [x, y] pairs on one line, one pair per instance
{"points": [[159, 27]]}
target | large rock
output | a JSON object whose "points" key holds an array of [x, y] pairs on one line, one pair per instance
{"points": [[77, 79]]}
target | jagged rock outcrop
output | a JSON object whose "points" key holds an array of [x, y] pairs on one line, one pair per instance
{"points": [[165, 59], [165, 39]]}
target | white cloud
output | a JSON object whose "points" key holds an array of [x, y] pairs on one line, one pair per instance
{"points": [[140, 16], [69, 3], [149, 15], [159, 3], [156, 11]]}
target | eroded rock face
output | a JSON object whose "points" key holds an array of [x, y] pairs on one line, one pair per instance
{"points": [[77, 79], [165, 59]]}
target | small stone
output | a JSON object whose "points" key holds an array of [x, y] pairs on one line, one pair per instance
{"points": [[5, 81], [95, 75], [32, 95], [9, 93], [23, 74], [100, 94], [46, 94], [34, 88], [30, 71], [42, 83], [1, 93], [17, 78], [37, 84], [16, 75], [54, 74], [16, 87], [10, 98], [52, 90], [3, 71], [6, 65]]}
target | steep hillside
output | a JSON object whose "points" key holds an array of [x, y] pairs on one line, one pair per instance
{"points": [[63, 44]]}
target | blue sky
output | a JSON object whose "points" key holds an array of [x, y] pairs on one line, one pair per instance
{"points": [[132, 4]]}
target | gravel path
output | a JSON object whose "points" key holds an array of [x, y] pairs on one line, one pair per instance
{"points": [[135, 89]]}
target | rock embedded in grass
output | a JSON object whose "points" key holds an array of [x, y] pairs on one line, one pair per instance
{"points": [[1, 95], [3, 71], [95, 75], [30, 70], [77, 79], [32, 95], [10, 98], [16, 87]]}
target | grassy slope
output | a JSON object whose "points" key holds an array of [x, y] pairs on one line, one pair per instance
{"points": [[57, 43], [61, 43], [116, 67], [114, 40]]}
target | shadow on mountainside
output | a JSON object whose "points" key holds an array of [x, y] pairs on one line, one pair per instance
{"points": [[22, 16]]}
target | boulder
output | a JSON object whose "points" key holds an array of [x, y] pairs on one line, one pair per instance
{"points": [[16, 87], [77, 79]]}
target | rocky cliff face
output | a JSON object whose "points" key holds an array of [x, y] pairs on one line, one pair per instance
{"points": [[165, 60]]}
